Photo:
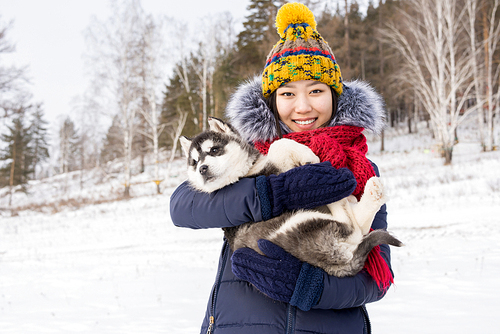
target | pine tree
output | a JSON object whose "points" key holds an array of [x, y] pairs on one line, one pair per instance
{"points": [[175, 101], [39, 136], [113, 143], [257, 38], [17, 154]]}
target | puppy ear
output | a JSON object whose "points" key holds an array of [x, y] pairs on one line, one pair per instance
{"points": [[217, 125], [186, 144]]}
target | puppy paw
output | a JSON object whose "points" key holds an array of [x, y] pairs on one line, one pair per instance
{"points": [[375, 190], [287, 154]]}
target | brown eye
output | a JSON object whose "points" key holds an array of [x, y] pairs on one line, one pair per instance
{"points": [[214, 150]]}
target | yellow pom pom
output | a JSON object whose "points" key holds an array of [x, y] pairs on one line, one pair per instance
{"points": [[293, 13]]}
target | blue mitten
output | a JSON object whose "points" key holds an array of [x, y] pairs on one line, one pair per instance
{"points": [[279, 275], [303, 187]]}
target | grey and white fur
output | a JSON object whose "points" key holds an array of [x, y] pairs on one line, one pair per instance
{"points": [[335, 238]]}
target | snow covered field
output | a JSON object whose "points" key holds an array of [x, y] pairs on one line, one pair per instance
{"points": [[122, 267]]}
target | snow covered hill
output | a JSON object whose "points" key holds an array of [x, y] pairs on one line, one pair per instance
{"points": [[122, 267]]}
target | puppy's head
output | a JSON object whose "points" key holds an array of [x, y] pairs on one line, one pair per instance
{"points": [[215, 158]]}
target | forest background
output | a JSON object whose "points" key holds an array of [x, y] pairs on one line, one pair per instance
{"points": [[433, 61]]}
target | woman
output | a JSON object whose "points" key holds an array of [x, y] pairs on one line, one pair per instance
{"points": [[300, 96]]}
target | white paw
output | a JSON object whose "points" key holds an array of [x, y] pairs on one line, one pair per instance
{"points": [[287, 154], [375, 190]]}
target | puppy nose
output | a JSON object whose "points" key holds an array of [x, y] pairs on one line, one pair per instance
{"points": [[203, 169]]}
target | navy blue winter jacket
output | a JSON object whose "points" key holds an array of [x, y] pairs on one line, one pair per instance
{"points": [[235, 306]]}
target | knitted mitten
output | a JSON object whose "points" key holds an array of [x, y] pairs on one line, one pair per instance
{"points": [[303, 187], [279, 275]]}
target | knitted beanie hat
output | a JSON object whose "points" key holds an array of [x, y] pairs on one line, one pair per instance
{"points": [[301, 53]]}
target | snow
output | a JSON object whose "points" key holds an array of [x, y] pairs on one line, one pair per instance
{"points": [[122, 267]]}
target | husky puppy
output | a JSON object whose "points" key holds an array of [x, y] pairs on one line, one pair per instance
{"points": [[335, 238]]}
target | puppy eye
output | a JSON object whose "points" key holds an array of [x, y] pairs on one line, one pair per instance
{"points": [[214, 150], [194, 162]]}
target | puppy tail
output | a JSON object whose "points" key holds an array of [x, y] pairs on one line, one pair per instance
{"points": [[372, 239]]}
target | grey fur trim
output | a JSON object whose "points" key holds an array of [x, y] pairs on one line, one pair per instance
{"points": [[358, 105], [248, 112]]}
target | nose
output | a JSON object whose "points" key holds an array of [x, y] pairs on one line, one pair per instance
{"points": [[203, 169], [302, 104]]}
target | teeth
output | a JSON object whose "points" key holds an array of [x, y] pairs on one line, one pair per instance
{"points": [[305, 122]]}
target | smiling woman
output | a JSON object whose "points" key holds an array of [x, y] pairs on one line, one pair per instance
{"points": [[295, 98], [304, 105]]}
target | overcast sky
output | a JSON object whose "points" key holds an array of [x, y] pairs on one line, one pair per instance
{"points": [[48, 35]]}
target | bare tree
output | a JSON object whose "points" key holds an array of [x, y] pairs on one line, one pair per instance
{"points": [[491, 26], [114, 46], [476, 65], [181, 35], [11, 77], [153, 59], [68, 146], [436, 64], [225, 39], [175, 135], [347, 44], [89, 116], [205, 66]]}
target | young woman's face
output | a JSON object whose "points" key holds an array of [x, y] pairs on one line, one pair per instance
{"points": [[304, 105]]}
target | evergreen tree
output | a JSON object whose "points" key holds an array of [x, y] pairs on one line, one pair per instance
{"points": [[113, 143], [39, 136], [17, 154], [257, 38], [177, 100], [368, 54]]}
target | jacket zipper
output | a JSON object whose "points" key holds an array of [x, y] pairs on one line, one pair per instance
{"points": [[366, 319], [215, 290], [290, 322]]}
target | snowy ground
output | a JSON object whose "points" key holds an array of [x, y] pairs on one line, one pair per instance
{"points": [[122, 267]]}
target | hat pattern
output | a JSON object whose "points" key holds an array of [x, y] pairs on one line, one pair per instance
{"points": [[301, 53]]}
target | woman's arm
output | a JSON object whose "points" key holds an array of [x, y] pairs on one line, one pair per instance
{"points": [[262, 198], [233, 205]]}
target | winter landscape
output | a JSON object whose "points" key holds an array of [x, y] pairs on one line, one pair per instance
{"points": [[122, 267]]}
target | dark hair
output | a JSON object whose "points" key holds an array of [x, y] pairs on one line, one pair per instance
{"points": [[271, 103]]}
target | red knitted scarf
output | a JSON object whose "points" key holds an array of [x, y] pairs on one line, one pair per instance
{"points": [[344, 146]]}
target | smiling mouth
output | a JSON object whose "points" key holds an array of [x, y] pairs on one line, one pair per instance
{"points": [[310, 121]]}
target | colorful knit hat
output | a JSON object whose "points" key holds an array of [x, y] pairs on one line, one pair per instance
{"points": [[301, 54]]}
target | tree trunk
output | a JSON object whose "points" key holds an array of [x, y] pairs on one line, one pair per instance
{"points": [[381, 67], [204, 93], [13, 165], [127, 142], [488, 139], [346, 38], [175, 138], [382, 141], [448, 154], [126, 192], [472, 11]]}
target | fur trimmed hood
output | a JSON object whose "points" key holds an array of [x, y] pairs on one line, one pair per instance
{"points": [[358, 105]]}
